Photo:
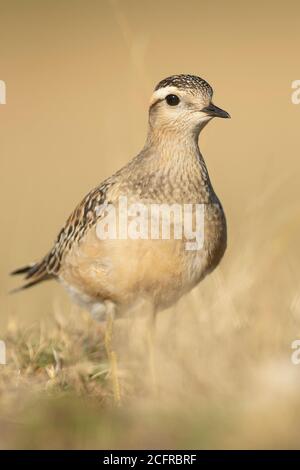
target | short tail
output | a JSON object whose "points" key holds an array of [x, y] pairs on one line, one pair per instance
{"points": [[35, 273]]}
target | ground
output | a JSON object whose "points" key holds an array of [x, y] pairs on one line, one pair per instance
{"points": [[223, 375]]}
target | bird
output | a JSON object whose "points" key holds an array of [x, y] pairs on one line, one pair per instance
{"points": [[105, 274]]}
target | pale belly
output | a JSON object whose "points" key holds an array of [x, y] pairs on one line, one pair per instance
{"points": [[123, 271]]}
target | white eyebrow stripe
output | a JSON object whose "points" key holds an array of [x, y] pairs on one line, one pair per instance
{"points": [[161, 93]]}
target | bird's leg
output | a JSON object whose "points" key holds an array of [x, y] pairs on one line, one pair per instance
{"points": [[111, 354], [98, 312], [151, 350]]}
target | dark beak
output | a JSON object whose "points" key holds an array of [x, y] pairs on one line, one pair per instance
{"points": [[214, 111]]}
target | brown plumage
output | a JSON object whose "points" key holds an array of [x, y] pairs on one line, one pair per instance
{"points": [[170, 169]]}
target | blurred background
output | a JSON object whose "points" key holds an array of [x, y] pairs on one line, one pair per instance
{"points": [[79, 76]]}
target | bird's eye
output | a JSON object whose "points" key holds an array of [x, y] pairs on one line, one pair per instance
{"points": [[172, 100]]}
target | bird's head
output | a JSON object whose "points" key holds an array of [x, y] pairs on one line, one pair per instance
{"points": [[183, 102]]}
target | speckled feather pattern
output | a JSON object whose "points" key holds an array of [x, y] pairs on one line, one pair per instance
{"points": [[192, 83]]}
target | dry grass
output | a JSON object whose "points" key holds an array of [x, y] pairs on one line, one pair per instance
{"points": [[223, 372]]}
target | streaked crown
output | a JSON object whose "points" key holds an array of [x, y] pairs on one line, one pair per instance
{"points": [[190, 83]]}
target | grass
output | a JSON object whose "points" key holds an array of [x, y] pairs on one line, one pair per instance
{"points": [[66, 357], [224, 377], [220, 373]]}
